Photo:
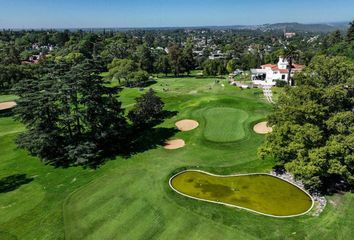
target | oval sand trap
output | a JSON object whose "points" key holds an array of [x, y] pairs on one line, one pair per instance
{"points": [[7, 105], [187, 125], [174, 144], [262, 128]]}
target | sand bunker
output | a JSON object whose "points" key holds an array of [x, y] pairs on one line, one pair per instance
{"points": [[187, 125], [174, 144], [7, 105], [262, 128]]}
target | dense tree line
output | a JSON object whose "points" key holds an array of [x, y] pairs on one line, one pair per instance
{"points": [[159, 51], [73, 117], [314, 126]]}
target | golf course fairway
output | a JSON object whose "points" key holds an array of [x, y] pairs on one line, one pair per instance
{"points": [[260, 193]]}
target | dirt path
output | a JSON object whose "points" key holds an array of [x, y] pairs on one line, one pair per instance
{"points": [[267, 91]]}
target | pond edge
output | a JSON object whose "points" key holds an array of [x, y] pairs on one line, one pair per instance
{"points": [[235, 206]]}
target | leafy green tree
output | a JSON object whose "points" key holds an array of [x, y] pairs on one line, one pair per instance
{"points": [[148, 110], [231, 65], [175, 55], [60, 38], [145, 59], [214, 67], [13, 74], [121, 68], [116, 49], [137, 79], [188, 58], [10, 54], [163, 65], [325, 71], [290, 53], [249, 61], [350, 34], [149, 39], [73, 57], [314, 126]]}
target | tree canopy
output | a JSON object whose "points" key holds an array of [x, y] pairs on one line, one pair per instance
{"points": [[71, 115], [313, 126]]}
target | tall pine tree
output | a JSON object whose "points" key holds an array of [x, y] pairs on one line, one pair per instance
{"points": [[72, 117]]}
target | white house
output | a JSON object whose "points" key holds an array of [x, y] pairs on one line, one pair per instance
{"points": [[268, 74], [217, 55], [288, 35]]}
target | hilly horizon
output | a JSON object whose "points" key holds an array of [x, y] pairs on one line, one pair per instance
{"points": [[288, 26]]}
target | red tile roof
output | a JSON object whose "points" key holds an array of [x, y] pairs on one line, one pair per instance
{"points": [[274, 67], [269, 65]]}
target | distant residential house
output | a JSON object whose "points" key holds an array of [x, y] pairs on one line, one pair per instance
{"points": [[37, 46], [216, 55], [289, 35], [198, 53], [269, 74], [34, 59]]}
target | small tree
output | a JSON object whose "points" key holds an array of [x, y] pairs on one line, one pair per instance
{"points": [[350, 34], [175, 55], [121, 68], [137, 79], [147, 111], [231, 66], [290, 53], [188, 60], [163, 65]]}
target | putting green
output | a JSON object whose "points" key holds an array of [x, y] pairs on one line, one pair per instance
{"points": [[261, 193], [224, 124]]}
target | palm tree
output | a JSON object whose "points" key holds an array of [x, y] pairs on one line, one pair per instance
{"points": [[290, 53]]}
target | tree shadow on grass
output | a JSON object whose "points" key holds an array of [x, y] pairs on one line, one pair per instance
{"points": [[13, 182], [149, 139], [140, 140]]}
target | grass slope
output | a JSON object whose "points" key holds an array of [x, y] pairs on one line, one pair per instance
{"points": [[131, 199]]}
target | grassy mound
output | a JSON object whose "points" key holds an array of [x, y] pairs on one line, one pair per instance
{"points": [[224, 124]]}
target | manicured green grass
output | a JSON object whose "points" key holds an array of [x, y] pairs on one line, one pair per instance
{"points": [[131, 199], [7, 98], [224, 124], [261, 193]]}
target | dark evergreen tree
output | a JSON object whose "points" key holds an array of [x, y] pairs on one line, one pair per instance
{"points": [[350, 34], [71, 115], [148, 110]]}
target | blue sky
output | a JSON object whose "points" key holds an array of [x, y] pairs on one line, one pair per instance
{"points": [[161, 13]]}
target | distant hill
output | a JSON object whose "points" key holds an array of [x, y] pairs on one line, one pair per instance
{"points": [[299, 27], [290, 27]]}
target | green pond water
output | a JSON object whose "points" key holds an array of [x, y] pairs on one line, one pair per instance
{"points": [[261, 193]]}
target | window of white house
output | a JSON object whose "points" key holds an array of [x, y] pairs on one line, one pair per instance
{"points": [[283, 76]]}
